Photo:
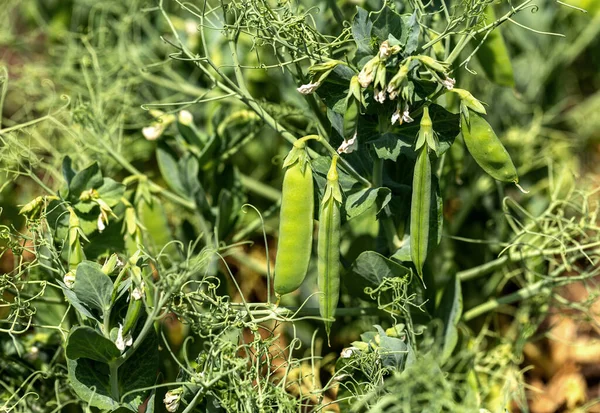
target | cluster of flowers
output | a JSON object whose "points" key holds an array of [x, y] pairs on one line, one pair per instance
{"points": [[375, 73]]}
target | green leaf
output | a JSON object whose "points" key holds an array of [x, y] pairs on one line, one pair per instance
{"points": [[67, 170], [89, 178], [391, 145], [227, 213], [111, 191], [388, 22], [92, 287], [394, 352], [140, 371], [420, 209], [359, 202], [450, 311], [188, 175], [157, 232], [361, 31], [91, 381], [169, 169], [369, 270], [493, 54], [412, 30], [86, 342]]}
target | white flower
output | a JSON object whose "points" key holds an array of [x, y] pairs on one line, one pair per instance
{"points": [[380, 95], [101, 226], [138, 292], [69, 279], [123, 342], [384, 50], [348, 352], [191, 28], [449, 83], [403, 117], [365, 78], [406, 115], [153, 132], [172, 399], [308, 88], [349, 145], [186, 118]]}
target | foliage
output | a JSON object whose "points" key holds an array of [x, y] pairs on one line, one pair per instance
{"points": [[142, 148]]}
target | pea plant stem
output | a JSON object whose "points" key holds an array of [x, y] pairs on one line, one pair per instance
{"points": [[499, 262]]}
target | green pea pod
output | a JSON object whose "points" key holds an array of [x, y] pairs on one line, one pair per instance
{"points": [[493, 54], [486, 148], [295, 221], [329, 247], [133, 314], [420, 209]]}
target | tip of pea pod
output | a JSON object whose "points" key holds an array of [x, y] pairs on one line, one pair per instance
{"points": [[516, 182]]}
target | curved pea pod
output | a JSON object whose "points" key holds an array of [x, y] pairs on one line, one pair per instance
{"points": [[329, 247], [493, 54], [295, 221], [133, 314], [420, 208], [487, 150]]}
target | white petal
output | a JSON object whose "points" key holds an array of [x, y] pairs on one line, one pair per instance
{"points": [[349, 145], [152, 132], [448, 83], [308, 88]]}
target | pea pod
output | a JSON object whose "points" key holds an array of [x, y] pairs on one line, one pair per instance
{"points": [[420, 208], [329, 247], [486, 148], [493, 54], [295, 221], [133, 314]]}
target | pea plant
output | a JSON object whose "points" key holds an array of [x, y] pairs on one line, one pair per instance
{"points": [[196, 138]]}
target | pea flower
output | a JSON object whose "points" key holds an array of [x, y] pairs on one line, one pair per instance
{"points": [[123, 342], [448, 83], [349, 146], [403, 117], [172, 399], [69, 279], [138, 292], [308, 88], [368, 72]]}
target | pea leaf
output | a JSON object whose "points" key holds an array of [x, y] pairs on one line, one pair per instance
{"points": [[388, 22], [169, 169], [450, 311], [394, 352], [391, 145], [86, 342], [412, 30], [369, 270], [91, 381], [92, 287], [359, 202], [89, 178], [111, 191], [67, 170], [361, 31]]}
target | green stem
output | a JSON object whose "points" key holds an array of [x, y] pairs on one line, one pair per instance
{"points": [[266, 191], [114, 380], [522, 294]]}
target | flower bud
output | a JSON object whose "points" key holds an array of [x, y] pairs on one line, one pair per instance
{"points": [[469, 100], [69, 279], [368, 72]]}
